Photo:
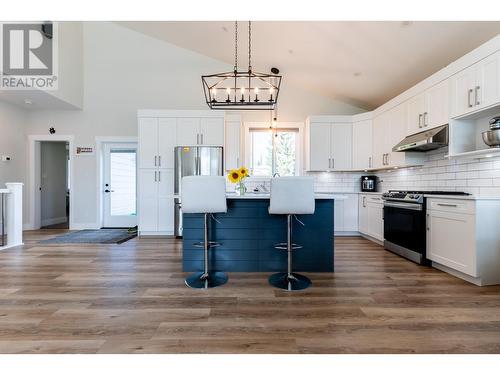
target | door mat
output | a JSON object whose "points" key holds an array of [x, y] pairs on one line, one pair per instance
{"points": [[104, 236]]}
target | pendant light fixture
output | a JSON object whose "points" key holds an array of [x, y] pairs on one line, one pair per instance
{"points": [[242, 90]]}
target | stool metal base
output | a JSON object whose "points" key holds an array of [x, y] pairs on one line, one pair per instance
{"points": [[201, 280], [293, 281]]}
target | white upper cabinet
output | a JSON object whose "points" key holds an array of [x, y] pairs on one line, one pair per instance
{"points": [[437, 102], [380, 129], [398, 120], [212, 131], [167, 137], [329, 145], [429, 109], [148, 142], [362, 147], [416, 109], [319, 146], [200, 131], [188, 131], [476, 87], [341, 146], [232, 144]]}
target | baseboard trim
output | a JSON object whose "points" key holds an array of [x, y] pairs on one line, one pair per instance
{"points": [[82, 226], [473, 280], [346, 234], [55, 220]]}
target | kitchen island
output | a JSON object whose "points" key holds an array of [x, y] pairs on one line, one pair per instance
{"points": [[247, 234]]}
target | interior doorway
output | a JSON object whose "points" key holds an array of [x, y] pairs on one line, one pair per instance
{"points": [[54, 184], [119, 185]]}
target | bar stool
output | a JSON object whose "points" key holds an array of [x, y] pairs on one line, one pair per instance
{"points": [[204, 195], [291, 196]]}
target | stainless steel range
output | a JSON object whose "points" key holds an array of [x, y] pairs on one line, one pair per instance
{"points": [[405, 231]]}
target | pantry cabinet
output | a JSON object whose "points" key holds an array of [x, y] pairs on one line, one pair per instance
{"points": [[329, 145], [157, 138], [476, 87]]}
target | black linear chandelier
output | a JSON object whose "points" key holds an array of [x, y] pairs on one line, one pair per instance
{"points": [[242, 90]]}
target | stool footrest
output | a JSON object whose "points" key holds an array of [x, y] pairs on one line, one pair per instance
{"points": [[283, 246], [201, 244]]}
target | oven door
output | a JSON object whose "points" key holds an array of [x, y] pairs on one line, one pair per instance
{"points": [[404, 225]]}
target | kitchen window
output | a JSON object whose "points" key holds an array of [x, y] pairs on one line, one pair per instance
{"points": [[274, 151]]}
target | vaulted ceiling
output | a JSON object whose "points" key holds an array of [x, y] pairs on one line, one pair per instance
{"points": [[362, 63]]}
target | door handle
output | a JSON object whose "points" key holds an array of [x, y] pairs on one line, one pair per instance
{"points": [[426, 122], [468, 98], [420, 120], [476, 96]]}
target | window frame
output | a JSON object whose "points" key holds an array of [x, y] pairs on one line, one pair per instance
{"points": [[279, 125]]}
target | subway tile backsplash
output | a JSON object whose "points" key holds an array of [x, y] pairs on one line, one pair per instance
{"points": [[476, 176]]}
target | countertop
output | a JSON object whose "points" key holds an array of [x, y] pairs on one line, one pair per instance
{"points": [[250, 195], [463, 197]]}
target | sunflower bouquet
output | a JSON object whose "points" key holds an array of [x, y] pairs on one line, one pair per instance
{"points": [[237, 176]]}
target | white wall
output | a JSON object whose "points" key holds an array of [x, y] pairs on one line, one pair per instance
{"points": [[53, 171], [125, 71], [12, 143]]}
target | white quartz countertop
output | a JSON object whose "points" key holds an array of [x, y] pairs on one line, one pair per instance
{"points": [[251, 195], [462, 197]]}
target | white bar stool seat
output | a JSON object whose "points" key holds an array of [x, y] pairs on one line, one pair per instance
{"points": [[204, 195], [291, 196]]}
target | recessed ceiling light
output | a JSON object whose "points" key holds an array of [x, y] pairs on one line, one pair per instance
{"points": [[28, 102], [356, 74], [224, 28], [290, 51], [406, 23]]}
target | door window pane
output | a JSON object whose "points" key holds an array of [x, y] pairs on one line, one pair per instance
{"points": [[123, 182]]}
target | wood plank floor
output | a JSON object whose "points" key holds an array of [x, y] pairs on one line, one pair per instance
{"points": [[131, 298]]}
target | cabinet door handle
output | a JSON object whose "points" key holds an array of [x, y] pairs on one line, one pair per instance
{"points": [[364, 201], [476, 95], [468, 98], [333, 163], [159, 176], [329, 163], [446, 205], [156, 178], [420, 120], [197, 139], [155, 161], [159, 160], [201, 138], [237, 162], [369, 162], [426, 120], [387, 159]]}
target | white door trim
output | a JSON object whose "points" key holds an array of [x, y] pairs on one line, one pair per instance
{"points": [[99, 147], [34, 213]]}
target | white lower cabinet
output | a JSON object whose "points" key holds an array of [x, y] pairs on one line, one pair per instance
{"points": [[346, 214], [371, 216], [156, 201], [463, 239]]}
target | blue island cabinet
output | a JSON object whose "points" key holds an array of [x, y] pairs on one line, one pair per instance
{"points": [[247, 234]]}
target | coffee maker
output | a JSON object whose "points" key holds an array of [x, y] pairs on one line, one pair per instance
{"points": [[369, 183]]}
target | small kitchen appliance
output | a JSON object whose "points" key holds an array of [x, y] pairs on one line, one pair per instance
{"points": [[492, 137], [369, 183]]}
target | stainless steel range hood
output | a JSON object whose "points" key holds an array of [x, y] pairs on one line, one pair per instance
{"points": [[424, 141]]}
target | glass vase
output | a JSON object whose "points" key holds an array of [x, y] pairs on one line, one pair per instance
{"points": [[240, 188]]}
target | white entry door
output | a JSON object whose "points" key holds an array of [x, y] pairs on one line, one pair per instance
{"points": [[120, 185]]}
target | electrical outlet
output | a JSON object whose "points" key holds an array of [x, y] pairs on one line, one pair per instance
{"points": [[5, 158]]}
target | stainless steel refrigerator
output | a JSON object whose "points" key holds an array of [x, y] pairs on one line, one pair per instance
{"points": [[194, 161]]}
